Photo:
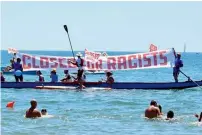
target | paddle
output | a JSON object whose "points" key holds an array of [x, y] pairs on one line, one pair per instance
{"points": [[185, 74], [66, 29]]}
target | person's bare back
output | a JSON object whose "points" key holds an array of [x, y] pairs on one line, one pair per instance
{"points": [[152, 111], [32, 112]]}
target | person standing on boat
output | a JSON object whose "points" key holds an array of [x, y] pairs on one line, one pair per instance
{"points": [[32, 112], [18, 69], [79, 63], [67, 77], [41, 78], [176, 68], [54, 76]]}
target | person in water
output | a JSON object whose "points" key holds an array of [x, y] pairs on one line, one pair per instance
{"points": [[54, 76], [199, 118], [79, 63], [160, 108], [41, 78], [67, 77], [32, 112], [44, 112], [152, 111], [2, 77], [18, 69], [176, 68], [170, 115], [110, 78]]}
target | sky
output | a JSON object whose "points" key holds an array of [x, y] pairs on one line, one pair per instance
{"points": [[101, 26]]}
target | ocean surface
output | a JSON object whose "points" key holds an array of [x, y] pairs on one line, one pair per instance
{"points": [[100, 112]]}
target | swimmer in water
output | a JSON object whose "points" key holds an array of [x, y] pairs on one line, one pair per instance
{"points": [[160, 108], [152, 111], [32, 112], [199, 118], [170, 115], [44, 112]]}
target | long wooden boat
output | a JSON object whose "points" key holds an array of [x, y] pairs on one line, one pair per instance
{"points": [[116, 85]]}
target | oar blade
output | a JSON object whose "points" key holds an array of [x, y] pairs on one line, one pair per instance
{"points": [[66, 29]]}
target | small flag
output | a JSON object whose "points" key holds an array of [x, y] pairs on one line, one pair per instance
{"points": [[152, 48]]}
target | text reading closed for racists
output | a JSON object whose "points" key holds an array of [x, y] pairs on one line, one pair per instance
{"points": [[132, 61]]}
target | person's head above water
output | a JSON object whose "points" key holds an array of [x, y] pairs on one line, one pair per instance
{"points": [[153, 102], [33, 103], [170, 114], [160, 108], [43, 111]]}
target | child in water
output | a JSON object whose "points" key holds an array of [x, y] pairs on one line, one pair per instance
{"points": [[44, 112]]}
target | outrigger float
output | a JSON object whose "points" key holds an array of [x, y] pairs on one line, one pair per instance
{"points": [[103, 85]]}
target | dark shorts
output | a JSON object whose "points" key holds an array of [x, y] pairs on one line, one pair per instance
{"points": [[18, 78], [79, 74], [176, 71]]}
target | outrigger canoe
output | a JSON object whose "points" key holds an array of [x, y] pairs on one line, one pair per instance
{"points": [[116, 85]]}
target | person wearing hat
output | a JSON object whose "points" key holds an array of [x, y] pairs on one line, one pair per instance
{"points": [[110, 78], [41, 78], [176, 68], [18, 69], [79, 63], [54, 76], [67, 77]]}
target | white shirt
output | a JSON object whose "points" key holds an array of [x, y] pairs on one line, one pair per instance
{"points": [[79, 63]]}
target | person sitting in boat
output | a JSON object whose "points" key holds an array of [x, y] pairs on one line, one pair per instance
{"points": [[54, 76], [32, 112], [79, 63], [41, 78], [8, 68], [18, 69], [170, 115], [199, 118], [2, 77], [110, 78], [67, 77], [152, 111], [176, 68], [44, 112]]}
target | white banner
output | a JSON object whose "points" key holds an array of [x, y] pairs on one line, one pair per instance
{"points": [[12, 50], [155, 59]]}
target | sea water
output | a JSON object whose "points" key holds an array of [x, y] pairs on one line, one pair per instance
{"points": [[102, 112]]}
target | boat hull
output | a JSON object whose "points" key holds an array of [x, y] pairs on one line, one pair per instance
{"points": [[117, 85]]}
